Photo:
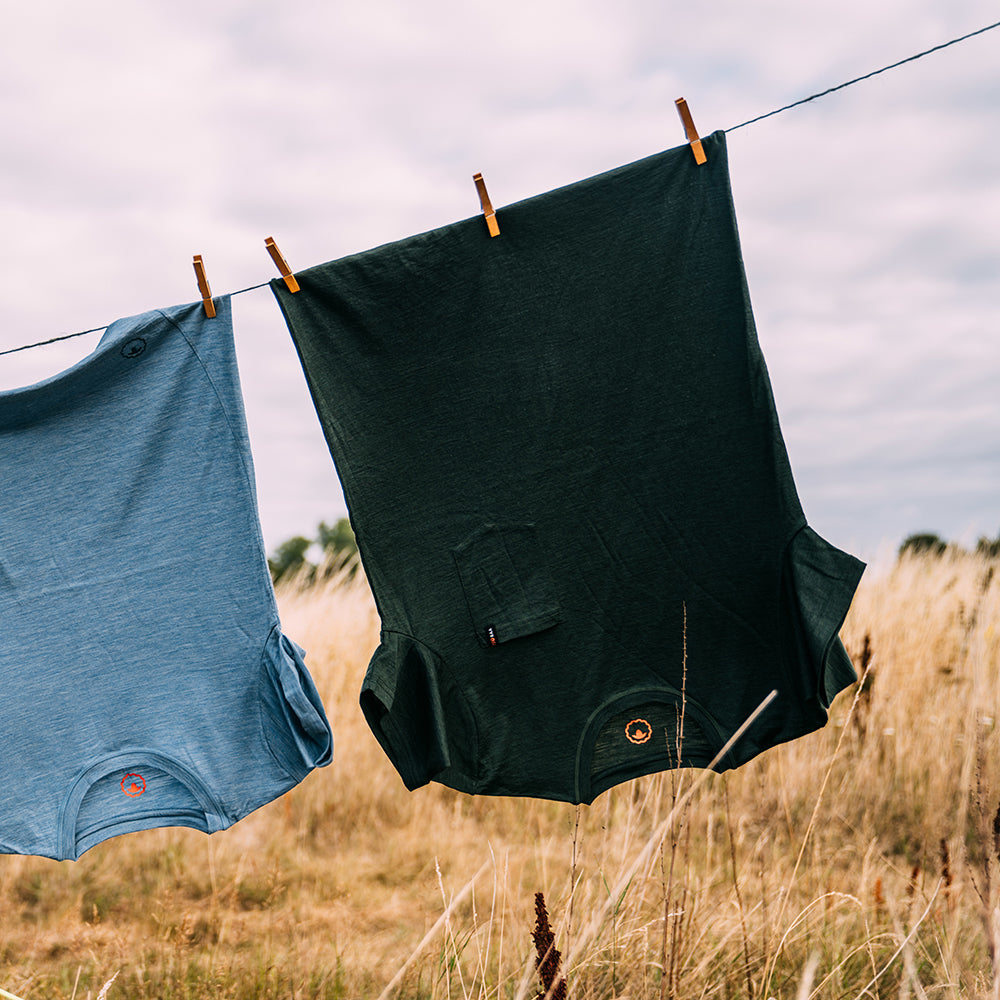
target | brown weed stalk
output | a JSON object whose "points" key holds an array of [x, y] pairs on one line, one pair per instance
{"points": [[547, 955]]}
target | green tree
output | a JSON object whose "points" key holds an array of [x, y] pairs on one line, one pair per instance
{"points": [[989, 547], [338, 541], [923, 542], [289, 558]]}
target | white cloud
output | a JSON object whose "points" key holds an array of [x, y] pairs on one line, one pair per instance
{"points": [[137, 135]]}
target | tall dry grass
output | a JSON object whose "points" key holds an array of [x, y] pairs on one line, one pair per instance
{"points": [[860, 861]]}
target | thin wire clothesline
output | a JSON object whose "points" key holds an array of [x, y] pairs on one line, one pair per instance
{"points": [[733, 128], [867, 76], [97, 329]]}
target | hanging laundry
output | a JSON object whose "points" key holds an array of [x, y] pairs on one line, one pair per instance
{"points": [[562, 461], [145, 678]]}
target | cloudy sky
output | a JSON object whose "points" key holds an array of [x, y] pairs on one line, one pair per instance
{"points": [[138, 134]]}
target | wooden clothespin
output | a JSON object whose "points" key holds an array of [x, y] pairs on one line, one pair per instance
{"points": [[206, 292], [282, 264], [690, 131], [487, 205]]}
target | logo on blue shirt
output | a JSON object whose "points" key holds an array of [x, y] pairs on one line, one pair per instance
{"points": [[134, 348], [133, 785]]}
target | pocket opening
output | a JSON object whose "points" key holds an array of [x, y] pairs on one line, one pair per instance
{"points": [[507, 583]]}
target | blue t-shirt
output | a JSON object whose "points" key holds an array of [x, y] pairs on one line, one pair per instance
{"points": [[144, 676]]}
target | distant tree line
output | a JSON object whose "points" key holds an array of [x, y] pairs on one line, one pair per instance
{"points": [[332, 548], [928, 543], [335, 546]]}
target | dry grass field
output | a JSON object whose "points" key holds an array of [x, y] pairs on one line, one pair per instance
{"points": [[860, 861]]}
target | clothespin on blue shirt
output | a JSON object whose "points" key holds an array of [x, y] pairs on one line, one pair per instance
{"points": [[283, 269], [690, 131], [484, 200], [206, 292]]}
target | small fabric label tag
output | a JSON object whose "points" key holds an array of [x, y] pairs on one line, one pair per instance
{"points": [[491, 635]]}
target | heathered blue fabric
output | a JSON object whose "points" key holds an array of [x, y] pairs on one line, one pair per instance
{"points": [[144, 675]]}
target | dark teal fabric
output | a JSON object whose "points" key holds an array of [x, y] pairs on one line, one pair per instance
{"points": [[562, 461]]}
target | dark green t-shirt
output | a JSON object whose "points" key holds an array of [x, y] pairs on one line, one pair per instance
{"points": [[561, 457]]}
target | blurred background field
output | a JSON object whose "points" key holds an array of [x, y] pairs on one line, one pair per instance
{"points": [[859, 861]]}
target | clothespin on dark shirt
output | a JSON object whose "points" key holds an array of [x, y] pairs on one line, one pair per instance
{"points": [[283, 269], [690, 131], [487, 205], [206, 292]]}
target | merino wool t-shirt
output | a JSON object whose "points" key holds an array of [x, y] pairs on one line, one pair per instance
{"points": [[145, 678], [562, 461]]}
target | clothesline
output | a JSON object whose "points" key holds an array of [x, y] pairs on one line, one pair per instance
{"points": [[867, 76], [733, 128], [97, 329]]}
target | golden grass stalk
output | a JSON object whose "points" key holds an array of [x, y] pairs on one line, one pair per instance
{"points": [[441, 922]]}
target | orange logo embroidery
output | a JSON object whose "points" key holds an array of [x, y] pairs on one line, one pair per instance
{"points": [[638, 731], [133, 785]]}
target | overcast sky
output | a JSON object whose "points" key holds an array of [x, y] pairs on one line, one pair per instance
{"points": [[138, 134]]}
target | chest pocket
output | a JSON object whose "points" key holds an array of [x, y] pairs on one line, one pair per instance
{"points": [[507, 582]]}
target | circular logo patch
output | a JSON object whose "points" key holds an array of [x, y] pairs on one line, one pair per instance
{"points": [[133, 785], [134, 348], [638, 731]]}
